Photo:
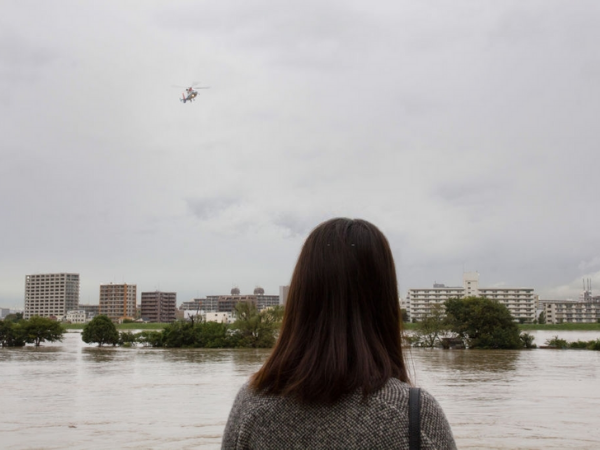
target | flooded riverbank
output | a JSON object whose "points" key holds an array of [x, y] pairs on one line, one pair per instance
{"points": [[71, 395]]}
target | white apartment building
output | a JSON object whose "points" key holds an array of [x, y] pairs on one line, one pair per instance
{"points": [[51, 294], [521, 302], [220, 317], [418, 302], [563, 311], [77, 316]]}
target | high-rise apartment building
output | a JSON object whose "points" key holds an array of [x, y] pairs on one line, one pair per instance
{"points": [[118, 301], [51, 294], [159, 306], [521, 302]]}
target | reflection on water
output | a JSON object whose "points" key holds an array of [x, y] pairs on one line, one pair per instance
{"points": [[99, 354], [470, 361], [70, 395]]}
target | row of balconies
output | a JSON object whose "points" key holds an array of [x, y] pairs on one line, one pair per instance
{"points": [[577, 315], [592, 310]]}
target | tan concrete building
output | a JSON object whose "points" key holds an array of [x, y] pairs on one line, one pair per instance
{"points": [[51, 294], [159, 306], [118, 301], [226, 303]]}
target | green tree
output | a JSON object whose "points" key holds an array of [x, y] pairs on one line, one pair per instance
{"points": [[180, 334], [16, 317], [150, 338], [482, 323], [11, 334], [542, 318], [213, 335], [257, 330], [433, 327], [100, 330], [127, 338], [40, 329], [404, 315], [527, 340], [557, 342]]}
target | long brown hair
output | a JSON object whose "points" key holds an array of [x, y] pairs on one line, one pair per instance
{"points": [[342, 323]]}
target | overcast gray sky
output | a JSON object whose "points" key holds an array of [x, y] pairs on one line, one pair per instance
{"points": [[466, 130]]}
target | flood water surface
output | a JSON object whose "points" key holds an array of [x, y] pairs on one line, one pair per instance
{"points": [[71, 395]]}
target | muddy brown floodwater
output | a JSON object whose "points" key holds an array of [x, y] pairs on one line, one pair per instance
{"points": [[71, 395]]}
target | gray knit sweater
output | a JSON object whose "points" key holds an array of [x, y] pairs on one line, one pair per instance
{"points": [[269, 422]]}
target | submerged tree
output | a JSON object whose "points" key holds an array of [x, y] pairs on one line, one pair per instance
{"points": [[433, 327], [40, 329], [100, 330], [256, 329], [527, 340], [483, 323], [11, 334]]}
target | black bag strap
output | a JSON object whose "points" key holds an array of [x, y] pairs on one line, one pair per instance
{"points": [[414, 418]]}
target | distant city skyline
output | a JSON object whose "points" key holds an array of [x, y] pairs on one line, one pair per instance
{"points": [[587, 286]]}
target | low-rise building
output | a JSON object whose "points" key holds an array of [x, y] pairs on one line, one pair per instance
{"points": [[220, 317], [91, 311], [77, 316]]}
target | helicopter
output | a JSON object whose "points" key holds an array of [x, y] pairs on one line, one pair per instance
{"points": [[190, 92]]}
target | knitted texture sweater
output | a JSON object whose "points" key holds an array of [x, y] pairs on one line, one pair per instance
{"points": [[273, 422]]}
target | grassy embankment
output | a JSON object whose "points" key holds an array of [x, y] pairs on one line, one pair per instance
{"points": [[562, 327], [122, 326]]}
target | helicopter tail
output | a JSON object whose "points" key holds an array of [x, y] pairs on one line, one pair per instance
{"points": [[183, 98]]}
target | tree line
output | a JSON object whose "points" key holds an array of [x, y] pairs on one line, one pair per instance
{"points": [[252, 329], [558, 343], [472, 322]]}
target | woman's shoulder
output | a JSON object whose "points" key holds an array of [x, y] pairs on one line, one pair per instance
{"points": [[257, 418], [394, 389], [435, 429]]}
